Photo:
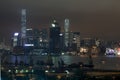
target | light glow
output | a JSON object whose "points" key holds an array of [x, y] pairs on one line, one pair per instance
{"points": [[16, 34], [110, 51], [46, 71], [53, 25], [29, 45], [118, 51], [83, 50]]}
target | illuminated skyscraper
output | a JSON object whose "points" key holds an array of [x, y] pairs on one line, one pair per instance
{"points": [[66, 30], [23, 26]]}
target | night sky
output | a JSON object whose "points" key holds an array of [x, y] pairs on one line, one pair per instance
{"points": [[93, 18]]}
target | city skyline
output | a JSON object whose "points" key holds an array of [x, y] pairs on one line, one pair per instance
{"points": [[90, 18]]}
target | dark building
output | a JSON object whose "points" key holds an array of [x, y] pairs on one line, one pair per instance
{"points": [[88, 42], [43, 40], [74, 41], [54, 45], [62, 42], [29, 37], [37, 38]]}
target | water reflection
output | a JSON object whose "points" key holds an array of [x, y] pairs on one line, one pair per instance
{"points": [[105, 62]]}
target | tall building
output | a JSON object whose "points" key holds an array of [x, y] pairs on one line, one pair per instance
{"points": [[43, 38], [29, 37], [74, 41], [87, 42], [66, 32], [62, 45], [54, 45], [23, 26], [37, 38], [16, 40]]}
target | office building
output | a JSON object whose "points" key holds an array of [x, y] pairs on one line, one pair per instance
{"points": [[74, 41], [23, 27], [16, 40], [66, 32], [54, 39]]}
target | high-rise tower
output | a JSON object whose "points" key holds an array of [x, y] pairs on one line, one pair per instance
{"points": [[23, 26], [66, 29], [54, 38]]}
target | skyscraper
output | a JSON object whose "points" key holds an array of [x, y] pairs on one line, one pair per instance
{"points": [[43, 38], [54, 45], [66, 30], [76, 39], [15, 40], [23, 26]]}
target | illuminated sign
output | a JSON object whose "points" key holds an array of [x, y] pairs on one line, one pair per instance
{"points": [[110, 51], [29, 45]]}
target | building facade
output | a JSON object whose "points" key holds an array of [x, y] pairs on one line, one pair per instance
{"points": [[54, 38], [66, 32], [23, 27]]}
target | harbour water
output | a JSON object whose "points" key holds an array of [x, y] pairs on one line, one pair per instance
{"points": [[100, 62]]}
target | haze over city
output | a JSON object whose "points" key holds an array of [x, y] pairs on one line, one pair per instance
{"points": [[91, 18]]}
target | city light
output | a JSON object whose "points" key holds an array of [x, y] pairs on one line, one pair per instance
{"points": [[16, 34], [32, 71], [53, 25], [83, 50], [62, 53], [53, 70], [41, 40], [29, 29], [26, 71], [21, 71], [118, 51], [16, 71], [67, 71], [9, 70], [61, 34], [110, 51], [29, 45], [46, 71]]}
